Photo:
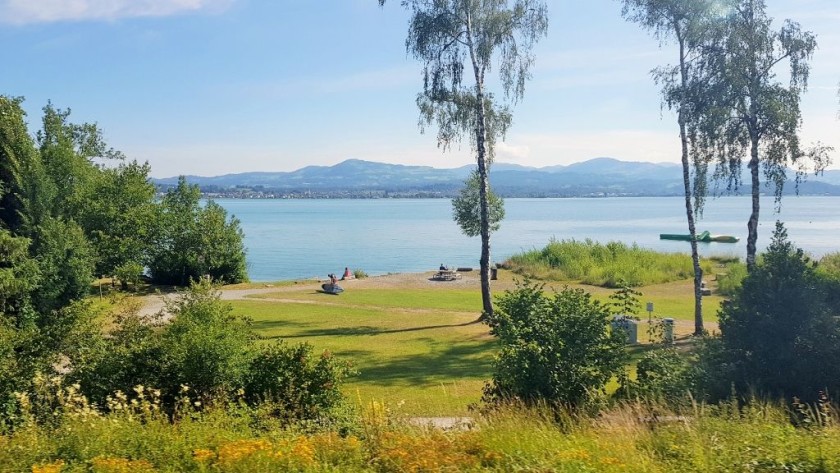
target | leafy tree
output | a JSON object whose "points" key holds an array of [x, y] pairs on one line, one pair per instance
{"points": [[625, 301], [779, 332], [66, 262], [19, 276], [16, 152], [466, 208], [118, 216], [557, 349], [752, 112], [192, 241], [457, 36], [687, 24]]}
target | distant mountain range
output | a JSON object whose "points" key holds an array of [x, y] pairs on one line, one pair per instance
{"points": [[358, 178]]}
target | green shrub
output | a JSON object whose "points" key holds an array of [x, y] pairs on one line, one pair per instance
{"points": [[209, 355], [359, 274], [830, 265], [663, 375], [609, 265], [728, 283], [129, 274], [779, 331], [556, 349], [295, 382]]}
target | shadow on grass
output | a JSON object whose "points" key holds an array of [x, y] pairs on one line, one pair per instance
{"points": [[445, 363], [357, 330]]}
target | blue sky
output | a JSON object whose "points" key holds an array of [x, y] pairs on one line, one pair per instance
{"points": [[211, 87]]}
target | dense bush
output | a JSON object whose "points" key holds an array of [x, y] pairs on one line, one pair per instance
{"points": [[193, 241], [556, 349], [602, 264], [209, 355], [66, 261], [779, 332], [664, 376], [295, 382]]}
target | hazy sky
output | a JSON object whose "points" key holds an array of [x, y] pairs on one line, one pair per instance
{"points": [[210, 87]]}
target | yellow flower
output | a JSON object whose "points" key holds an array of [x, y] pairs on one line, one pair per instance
{"points": [[238, 449], [54, 467], [202, 455], [120, 465]]}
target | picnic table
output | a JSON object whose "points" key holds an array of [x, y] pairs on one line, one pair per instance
{"points": [[447, 275]]}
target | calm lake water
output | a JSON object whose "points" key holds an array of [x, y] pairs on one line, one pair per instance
{"points": [[289, 239]]}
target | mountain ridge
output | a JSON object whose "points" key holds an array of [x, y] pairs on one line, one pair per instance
{"points": [[356, 177]]}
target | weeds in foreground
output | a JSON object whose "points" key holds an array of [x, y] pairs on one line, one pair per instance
{"points": [[633, 437]]}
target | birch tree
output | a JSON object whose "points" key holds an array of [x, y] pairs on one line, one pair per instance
{"points": [[758, 116], [686, 23], [459, 42]]}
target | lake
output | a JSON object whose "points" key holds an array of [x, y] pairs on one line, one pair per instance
{"points": [[290, 239]]}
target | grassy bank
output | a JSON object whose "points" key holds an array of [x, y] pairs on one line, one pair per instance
{"points": [[140, 439], [605, 265]]}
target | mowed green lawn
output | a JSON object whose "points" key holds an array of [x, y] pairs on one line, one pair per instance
{"points": [[418, 350], [419, 354]]}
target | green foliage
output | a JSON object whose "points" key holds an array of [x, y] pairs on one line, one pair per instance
{"points": [[779, 331], [453, 39], [601, 264], [129, 274], [829, 265], [359, 274], [16, 153], [209, 355], [557, 349], [466, 208], [625, 301], [19, 276], [193, 241], [141, 439], [66, 261], [294, 382], [729, 282], [205, 346], [119, 216], [664, 375]]}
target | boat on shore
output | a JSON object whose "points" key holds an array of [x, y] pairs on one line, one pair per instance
{"points": [[704, 237]]}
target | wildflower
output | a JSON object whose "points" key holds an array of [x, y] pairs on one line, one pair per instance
{"points": [[54, 467], [203, 455]]}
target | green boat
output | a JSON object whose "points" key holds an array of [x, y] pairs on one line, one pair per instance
{"points": [[704, 237]]}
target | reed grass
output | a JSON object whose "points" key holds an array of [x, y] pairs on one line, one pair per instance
{"points": [[607, 265]]}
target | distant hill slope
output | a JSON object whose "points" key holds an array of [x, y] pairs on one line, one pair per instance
{"points": [[599, 176]]}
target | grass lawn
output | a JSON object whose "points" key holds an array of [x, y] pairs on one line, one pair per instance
{"points": [[419, 349], [421, 361]]}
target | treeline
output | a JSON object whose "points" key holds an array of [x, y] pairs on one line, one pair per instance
{"points": [[86, 211], [73, 209]]}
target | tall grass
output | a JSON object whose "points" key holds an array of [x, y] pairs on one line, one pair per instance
{"points": [[628, 438], [602, 264]]}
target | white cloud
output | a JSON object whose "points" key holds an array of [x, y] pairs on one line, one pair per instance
{"points": [[47, 11], [506, 152]]}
